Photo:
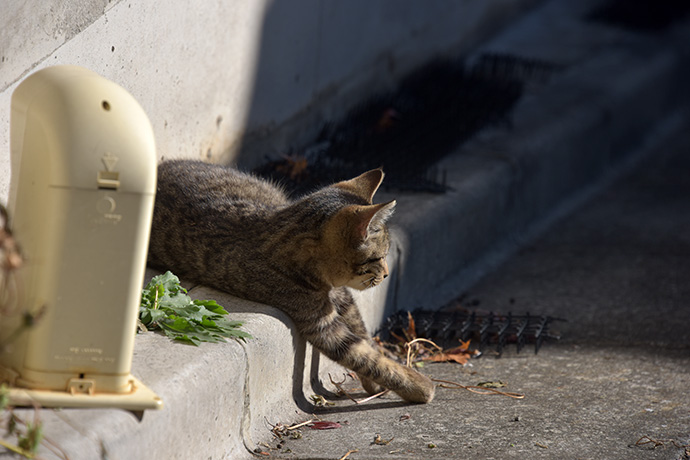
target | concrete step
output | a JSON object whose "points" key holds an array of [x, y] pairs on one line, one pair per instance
{"points": [[583, 125]]}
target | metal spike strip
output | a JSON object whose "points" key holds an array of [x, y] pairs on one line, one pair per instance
{"points": [[446, 328]]}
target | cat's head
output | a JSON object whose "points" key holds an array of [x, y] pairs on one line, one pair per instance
{"points": [[356, 239]]}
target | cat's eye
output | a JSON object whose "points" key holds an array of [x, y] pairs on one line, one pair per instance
{"points": [[372, 260]]}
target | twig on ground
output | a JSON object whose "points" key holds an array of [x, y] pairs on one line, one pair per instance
{"points": [[447, 383], [369, 398], [648, 440], [409, 344], [658, 443], [279, 430], [477, 389], [348, 454], [340, 388], [300, 425]]}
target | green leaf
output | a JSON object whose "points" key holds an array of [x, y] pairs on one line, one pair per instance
{"points": [[211, 305], [165, 305], [156, 315], [177, 324], [170, 283], [175, 301]]}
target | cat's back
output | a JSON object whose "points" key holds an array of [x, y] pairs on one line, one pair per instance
{"points": [[205, 187], [204, 210]]}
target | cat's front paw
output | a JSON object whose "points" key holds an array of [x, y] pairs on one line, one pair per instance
{"points": [[370, 386], [420, 388]]}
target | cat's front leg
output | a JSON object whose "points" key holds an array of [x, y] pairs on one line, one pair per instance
{"points": [[347, 309], [333, 337]]}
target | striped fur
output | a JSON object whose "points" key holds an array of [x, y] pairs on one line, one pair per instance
{"points": [[217, 226]]}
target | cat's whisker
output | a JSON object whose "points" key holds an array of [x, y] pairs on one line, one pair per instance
{"points": [[369, 282]]}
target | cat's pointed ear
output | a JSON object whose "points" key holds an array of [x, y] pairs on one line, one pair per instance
{"points": [[364, 185], [371, 218]]}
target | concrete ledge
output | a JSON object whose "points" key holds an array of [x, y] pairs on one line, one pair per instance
{"points": [[565, 135], [276, 363]]}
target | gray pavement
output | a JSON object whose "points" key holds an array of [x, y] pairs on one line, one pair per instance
{"points": [[618, 269]]}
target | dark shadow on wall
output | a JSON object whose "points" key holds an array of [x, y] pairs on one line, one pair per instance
{"points": [[308, 56], [286, 74], [318, 59]]}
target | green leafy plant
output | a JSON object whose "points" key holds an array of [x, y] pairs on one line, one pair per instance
{"points": [[165, 305]]}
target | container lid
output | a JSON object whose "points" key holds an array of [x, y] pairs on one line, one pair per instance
{"points": [[96, 135]]}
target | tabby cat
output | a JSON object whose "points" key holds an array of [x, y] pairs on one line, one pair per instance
{"points": [[242, 235]]}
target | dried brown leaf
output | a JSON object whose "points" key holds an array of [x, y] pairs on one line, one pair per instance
{"points": [[411, 332], [460, 354], [325, 425], [378, 440]]}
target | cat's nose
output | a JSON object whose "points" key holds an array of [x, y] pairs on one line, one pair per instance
{"points": [[385, 275], [385, 268]]}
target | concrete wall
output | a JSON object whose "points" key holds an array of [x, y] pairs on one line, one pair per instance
{"points": [[231, 80]]}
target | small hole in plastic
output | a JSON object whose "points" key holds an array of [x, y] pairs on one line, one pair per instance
{"points": [[81, 376], [105, 105]]}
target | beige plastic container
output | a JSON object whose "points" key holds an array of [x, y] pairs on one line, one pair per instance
{"points": [[81, 199]]}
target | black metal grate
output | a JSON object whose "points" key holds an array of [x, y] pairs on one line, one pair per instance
{"points": [[641, 15], [484, 329], [434, 110]]}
